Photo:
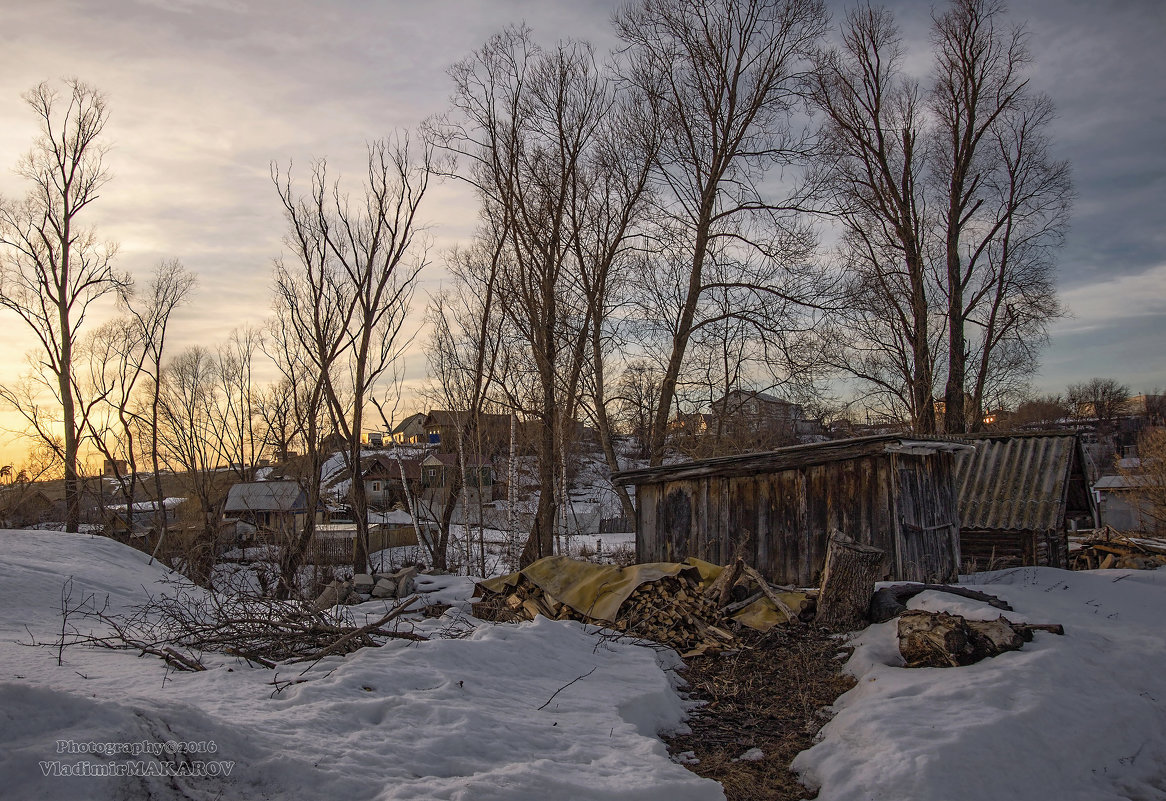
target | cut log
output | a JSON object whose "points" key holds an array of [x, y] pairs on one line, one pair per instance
{"points": [[847, 583], [890, 602], [722, 586], [937, 639]]}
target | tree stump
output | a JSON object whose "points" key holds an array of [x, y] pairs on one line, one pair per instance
{"points": [[847, 583]]}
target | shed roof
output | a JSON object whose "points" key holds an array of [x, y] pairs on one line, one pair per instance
{"points": [[788, 458], [1016, 483], [266, 496]]}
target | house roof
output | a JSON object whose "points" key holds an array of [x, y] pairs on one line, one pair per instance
{"points": [[266, 496], [445, 417], [451, 460], [788, 458], [389, 467], [1121, 482], [410, 421], [1016, 483]]}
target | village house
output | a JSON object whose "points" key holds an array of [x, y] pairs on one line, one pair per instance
{"points": [[21, 507], [383, 486], [490, 433], [410, 431], [141, 517], [265, 508]]}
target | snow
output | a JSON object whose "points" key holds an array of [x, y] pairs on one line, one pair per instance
{"points": [[550, 710], [539, 710], [1073, 717]]}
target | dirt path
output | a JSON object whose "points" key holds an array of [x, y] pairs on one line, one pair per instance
{"points": [[769, 695]]}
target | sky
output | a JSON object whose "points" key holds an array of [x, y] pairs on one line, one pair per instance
{"points": [[205, 95]]}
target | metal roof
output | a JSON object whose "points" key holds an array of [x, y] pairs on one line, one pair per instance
{"points": [[792, 457], [266, 496], [1016, 483]]}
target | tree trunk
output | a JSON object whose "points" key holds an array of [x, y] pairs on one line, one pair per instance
{"points": [[847, 583]]}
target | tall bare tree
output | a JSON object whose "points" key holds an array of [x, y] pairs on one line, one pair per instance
{"points": [[874, 163], [979, 81], [528, 120], [724, 80], [53, 268], [363, 258]]}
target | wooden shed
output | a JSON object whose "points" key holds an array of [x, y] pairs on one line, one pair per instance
{"points": [[893, 492], [1019, 497]]}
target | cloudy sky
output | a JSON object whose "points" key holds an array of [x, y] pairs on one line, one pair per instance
{"points": [[206, 94]]}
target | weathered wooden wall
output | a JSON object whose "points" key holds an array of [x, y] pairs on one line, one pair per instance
{"points": [[903, 504], [995, 548]]}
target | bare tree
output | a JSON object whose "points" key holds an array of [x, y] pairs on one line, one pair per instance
{"points": [[463, 354], [190, 420], [980, 93], [1012, 298], [723, 80], [529, 121], [124, 362], [1101, 399], [53, 269], [361, 261], [233, 365], [170, 287], [874, 163]]}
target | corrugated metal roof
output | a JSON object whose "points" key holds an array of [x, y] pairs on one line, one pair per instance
{"points": [[266, 496], [1015, 483]]}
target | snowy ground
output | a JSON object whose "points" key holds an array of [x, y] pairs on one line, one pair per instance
{"points": [[495, 715], [470, 718]]}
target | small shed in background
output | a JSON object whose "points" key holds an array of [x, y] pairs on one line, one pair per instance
{"points": [[1020, 496], [893, 492]]}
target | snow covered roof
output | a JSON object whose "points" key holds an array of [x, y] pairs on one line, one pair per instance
{"points": [[146, 506], [266, 496]]}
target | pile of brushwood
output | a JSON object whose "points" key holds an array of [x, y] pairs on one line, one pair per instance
{"points": [[1110, 549], [186, 623]]}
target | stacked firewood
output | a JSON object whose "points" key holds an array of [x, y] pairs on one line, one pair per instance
{"points": [[671, 610]]}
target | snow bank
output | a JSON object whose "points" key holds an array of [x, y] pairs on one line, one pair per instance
{"points": [[541, 710], [1075, 717]]}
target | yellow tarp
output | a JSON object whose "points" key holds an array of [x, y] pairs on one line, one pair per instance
{"points": [[598, 591]]}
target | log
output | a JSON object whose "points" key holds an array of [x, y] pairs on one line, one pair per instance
{"points": [[847, 583], [890, 602], [937, 639], [790, 615], [722, 586]]}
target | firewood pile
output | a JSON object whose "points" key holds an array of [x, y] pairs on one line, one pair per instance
{"points": [[678, 610], [1110, 549]]}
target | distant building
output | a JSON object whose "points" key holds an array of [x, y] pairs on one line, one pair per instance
{"points": [[488, 433], [1118, 507], [115, 467], [21, 507], [374, 439], [410, 431], [267, 507]]}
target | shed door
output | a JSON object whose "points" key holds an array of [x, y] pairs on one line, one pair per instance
{"points": [[674, 523], [929, 531]]}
